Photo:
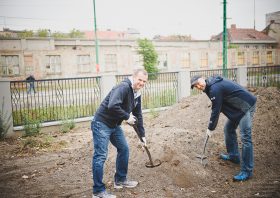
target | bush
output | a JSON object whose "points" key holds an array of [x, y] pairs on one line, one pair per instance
{"points": [[67, 125], [31, 125]]}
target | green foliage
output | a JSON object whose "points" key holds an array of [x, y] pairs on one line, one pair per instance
{"points": [[161, 99], [43, 32], [59, 35], [67, 125], [149, 54], [233, 46], [26, 34], [68, 122], [32, 125], [76, 34], [5, 121]]}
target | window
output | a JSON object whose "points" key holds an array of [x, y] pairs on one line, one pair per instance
{"points": [[233, 59], [204, 59], [53, 65], [110, 62], [220, 59], [162, 61], [256, 58], [137, 60], [83, 62], [185, 60], [269, 57], [241, 58], [28, 64], [9, 65]]}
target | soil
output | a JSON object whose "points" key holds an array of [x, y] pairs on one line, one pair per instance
{"points": [[56, 164]]}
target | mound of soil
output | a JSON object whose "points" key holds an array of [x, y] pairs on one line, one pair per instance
{"points": [[174, 136]]}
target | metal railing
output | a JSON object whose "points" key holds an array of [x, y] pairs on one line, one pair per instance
{"points": [[230, 74], [266, 76], [161, 90], [55, 99]]}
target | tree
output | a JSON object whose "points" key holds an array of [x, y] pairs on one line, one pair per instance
{"points": [[59, 35], [76, 34], [43, 32], [149, 54], [25, 34]]}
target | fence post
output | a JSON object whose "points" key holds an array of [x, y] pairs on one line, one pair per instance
{"points": [[241, 76], [107, 82], [5, 97], [184, 85]]}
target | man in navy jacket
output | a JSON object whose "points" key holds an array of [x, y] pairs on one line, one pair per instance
{"points": [[122, 103], [238, 105]]}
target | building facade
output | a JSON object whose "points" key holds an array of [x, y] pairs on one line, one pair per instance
{"points": [[48, 58]]}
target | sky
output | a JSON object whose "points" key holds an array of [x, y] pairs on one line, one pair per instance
{"points": [[199, 18]]}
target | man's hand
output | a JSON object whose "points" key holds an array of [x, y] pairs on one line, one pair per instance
{"points": [[131, 120], [209, 133], [144, 143]]}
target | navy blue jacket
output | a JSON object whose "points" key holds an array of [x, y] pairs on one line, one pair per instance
{"points": [[229, 98], [117, 106]]}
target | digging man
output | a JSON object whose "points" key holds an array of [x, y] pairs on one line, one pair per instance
{"points": [[122, 103], [238, 105]]}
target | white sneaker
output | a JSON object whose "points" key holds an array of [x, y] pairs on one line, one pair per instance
{"points": [[103, 194], [126, 184]]}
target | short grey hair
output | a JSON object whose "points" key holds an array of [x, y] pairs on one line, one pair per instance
{"points": [[137, 71]]}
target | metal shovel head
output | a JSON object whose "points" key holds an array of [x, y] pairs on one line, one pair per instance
{"points": [[202, 157], [150, 164]]}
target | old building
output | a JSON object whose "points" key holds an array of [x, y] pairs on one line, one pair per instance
{"points": [[60, 58]]}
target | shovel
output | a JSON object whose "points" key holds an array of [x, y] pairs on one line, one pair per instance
{"points": [[149, 164], [202, 157]]}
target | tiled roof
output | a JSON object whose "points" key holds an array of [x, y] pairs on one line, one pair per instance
{"points": [[244, 35]]}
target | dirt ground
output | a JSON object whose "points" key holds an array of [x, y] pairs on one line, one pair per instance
{"points": [[56, 164]]}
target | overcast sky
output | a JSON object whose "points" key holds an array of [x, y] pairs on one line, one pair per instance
{"points": [[198, 18]]}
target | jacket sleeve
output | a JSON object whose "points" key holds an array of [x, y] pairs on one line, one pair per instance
{"points": [[216, 98], [117, 97], [137, 111]]}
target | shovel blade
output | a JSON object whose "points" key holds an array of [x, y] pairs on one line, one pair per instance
{"points": [[150, 164]]}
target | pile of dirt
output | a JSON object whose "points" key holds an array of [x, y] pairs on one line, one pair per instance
{"points": [[174, 136]]}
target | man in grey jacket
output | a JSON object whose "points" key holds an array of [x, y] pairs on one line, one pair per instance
{"points": [[122, 103], [238, 105]]}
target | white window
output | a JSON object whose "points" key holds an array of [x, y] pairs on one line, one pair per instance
{"points": [[110, 62], [162, 61], [204, 59], [185, 60], [137, 60], [220, 59], [53, 65], [28, 64], [9, 65], [83, 62], [256, 58]]}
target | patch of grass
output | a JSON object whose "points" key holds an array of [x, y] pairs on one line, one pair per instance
{"points": [[67, 125]]}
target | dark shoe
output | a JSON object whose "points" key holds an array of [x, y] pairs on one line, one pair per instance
{"points": [[226, 157], [103, 194], [126, 184], [242, 176]]}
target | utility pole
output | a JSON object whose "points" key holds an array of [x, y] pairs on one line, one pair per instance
{"points": [[225, 39], [96, 39], [254, 15]]}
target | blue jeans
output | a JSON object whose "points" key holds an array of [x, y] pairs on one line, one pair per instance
{"points": [[31, 86], [102, 134], [245, 125]]}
